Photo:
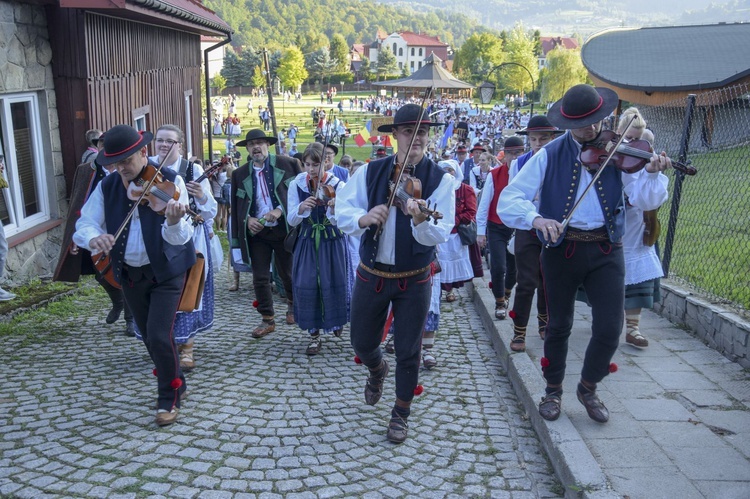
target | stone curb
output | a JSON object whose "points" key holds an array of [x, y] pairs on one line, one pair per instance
{"points": [[572, 460]]}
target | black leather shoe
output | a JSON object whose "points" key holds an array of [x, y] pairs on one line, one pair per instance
{"points": [[550, 406], [130, 328], [595, 407], [374, 386], [397, 430], [114, 314]]}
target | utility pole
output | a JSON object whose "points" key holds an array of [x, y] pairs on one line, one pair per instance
{"points": [[269, 91]]}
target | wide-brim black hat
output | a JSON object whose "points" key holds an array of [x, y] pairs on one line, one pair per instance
{"points": [[410, 114], [256, 134], [121, 142], [540, 123], [582, 105]]}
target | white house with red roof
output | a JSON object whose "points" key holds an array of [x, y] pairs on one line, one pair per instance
{"points": [[411, 49], [551, 43]]}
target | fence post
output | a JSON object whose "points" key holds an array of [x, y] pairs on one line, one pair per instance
{"points": [[687, 126]]}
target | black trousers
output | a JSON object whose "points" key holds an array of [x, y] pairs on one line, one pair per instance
{"points": [[409, 299], [502, 263], [528, 248], [262, 246], [116, 296], [154, 306], [600, 268]]}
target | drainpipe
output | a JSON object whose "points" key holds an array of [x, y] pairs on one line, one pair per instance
{"points": [[209, 118]]}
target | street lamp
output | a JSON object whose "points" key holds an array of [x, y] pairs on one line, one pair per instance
{"points": [[487, 89]]}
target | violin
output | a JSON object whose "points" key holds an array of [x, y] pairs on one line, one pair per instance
{"points": [[406, 187], [322, 191], [150, 189], [629, 157]]}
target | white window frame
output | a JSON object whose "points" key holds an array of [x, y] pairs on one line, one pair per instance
{"points": [[13, 194]]}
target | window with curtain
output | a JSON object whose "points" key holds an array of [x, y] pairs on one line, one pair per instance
{"points": [[25, 202]]}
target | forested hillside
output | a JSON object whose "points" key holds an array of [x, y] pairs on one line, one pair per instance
{"points": [[307, 23]]}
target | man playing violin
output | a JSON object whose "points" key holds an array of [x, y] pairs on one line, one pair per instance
{"points": [[586, 250], [395, 269], [150, 257]]}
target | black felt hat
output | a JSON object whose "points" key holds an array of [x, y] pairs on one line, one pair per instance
{"points": [[410, 114], [513, 143], [582, 105], [121, 142], [540, 123], [256, 134]]}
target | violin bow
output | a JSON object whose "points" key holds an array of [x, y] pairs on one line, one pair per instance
{"points": [[392, 196], [566, 220]]}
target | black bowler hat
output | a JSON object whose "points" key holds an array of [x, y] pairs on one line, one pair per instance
{"points": [[410, 114], [256, 134], [582, 105], [540, 123], [513, 143], [121, 142]]}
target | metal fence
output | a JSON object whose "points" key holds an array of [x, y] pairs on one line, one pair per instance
{"points": [[705, 238]]}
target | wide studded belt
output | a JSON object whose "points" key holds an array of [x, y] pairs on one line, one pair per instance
{"points": [[393, 275], [587, 236]]}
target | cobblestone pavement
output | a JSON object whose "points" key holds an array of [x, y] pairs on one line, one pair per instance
{"points": [[262, 419]]}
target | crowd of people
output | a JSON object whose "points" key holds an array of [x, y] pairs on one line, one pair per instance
{"points": [[357, 244]]}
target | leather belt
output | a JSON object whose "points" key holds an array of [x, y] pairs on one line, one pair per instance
{"points": [[587, 236], [392, 275]]}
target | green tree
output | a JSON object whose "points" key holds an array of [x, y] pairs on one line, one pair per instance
{"points": [[321, 66], [387, 64], [366, 69], [292, 72], [232, 69], [259, 79], [339, 51], [219, 83], [564, 69], [480, 53], [520, 50]]}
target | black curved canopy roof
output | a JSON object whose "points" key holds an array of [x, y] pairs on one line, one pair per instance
{"points": [[670, 58]]}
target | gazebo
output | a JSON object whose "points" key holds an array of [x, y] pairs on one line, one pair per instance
{"points": [[432, 74]]}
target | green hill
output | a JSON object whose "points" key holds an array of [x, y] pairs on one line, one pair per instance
{"points": [[278, 23]]}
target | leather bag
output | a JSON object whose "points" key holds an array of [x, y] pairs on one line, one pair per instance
{"points": [[652, 227], [467, 233], [195, 280]]}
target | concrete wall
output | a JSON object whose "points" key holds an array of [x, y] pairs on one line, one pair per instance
{"points": [[721, 329], [26, 66]]}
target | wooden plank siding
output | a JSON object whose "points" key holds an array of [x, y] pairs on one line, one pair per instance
{"points": [[112, 67]]}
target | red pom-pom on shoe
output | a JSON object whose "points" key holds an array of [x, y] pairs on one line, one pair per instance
{"points": [[544, 361], [613, 367], [357, 360], [489, 285], [154, 372], [176, 383], [255, 304], [418, 390], [512, 314]]}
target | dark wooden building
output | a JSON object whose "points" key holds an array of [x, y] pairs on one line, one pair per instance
{"points": [[136, 62]]}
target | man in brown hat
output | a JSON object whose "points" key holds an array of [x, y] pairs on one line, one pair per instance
{"points": [[586, 249], [150, 257], [259, 226], [396, 252]]}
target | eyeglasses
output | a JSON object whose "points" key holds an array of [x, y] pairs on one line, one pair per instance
{"points": [[169, 142], [330, 154]]}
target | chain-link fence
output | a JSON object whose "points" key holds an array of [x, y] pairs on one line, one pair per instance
{"points": [[705, 238]]}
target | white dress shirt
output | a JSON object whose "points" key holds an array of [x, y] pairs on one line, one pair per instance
{"points": [[352, 203]]}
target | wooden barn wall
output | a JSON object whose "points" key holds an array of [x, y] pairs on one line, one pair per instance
{"points": [[106, 68]]}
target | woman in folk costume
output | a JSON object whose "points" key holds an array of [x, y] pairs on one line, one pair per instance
{"points": [[169, 143], [642, 265], [321, 259], [453, 254]]}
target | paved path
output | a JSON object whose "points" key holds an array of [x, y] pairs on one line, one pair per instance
{"points": [[262, 419], [679, 413]]}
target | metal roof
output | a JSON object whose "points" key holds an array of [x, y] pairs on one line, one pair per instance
{"points": [[670, 58], [430, 75]]}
